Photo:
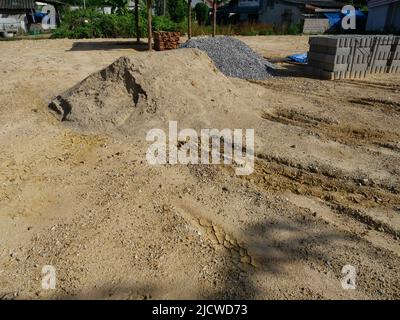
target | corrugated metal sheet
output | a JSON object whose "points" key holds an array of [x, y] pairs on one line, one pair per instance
{"points": [[16, 4], [377, 3]]}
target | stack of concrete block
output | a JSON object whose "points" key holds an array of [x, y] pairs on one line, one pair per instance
{"points": [[315, 25], [338, 57], [352, 56], [166, 40], [381, 52], [393, 65]]}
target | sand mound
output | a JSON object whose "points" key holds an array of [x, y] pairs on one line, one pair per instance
{"points": [[147, 90]]}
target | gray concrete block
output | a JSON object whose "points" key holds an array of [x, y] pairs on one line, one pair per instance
{"points": [[328, 58], [329, 66], [354, 56], [380, 63], [342, 75], [383, 52], [393, 69], [331, 41], [315, 25], [378, 69], [329, 50]]}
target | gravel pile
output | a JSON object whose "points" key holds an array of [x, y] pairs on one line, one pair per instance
{"points": [[233, 57]]}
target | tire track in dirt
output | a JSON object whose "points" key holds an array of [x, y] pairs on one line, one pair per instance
{"points": [[384, 105], [344, 195], [372, 84], [331, 130]]}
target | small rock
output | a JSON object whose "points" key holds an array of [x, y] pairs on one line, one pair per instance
{"points": [[364, 181], [204, 222], [245, 259]]}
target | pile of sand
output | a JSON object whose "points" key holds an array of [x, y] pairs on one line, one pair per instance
{"points": [[138, 93]]}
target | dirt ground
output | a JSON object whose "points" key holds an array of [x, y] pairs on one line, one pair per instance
{"points": [[324, 193]]}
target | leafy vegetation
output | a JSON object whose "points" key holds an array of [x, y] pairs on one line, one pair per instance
{"points": [[245, 29], [89, 23], [202, 13], [93, 23], [177, 10]]}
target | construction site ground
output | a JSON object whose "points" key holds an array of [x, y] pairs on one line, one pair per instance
{"points": [[325, 192]]}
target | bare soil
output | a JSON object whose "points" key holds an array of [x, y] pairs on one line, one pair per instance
{"points": [[81, 197]]}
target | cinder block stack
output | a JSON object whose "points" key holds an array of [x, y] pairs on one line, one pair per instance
{"points": [[353, 56], [166, 40], [393, 65], [339, 57], [312, 25], [381, 52]]}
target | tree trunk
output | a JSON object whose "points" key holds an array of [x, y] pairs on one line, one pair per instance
{"points": [[214, 17], [189, 19], [137, 28], [149, 29]]}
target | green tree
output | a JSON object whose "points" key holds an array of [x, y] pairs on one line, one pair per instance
{"points": [[202, 11], [117, 6], [177, 10], [160, 7]]}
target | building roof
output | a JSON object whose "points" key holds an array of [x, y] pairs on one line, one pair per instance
{"points": [[319, 3], [233, 7], [16, 4]]}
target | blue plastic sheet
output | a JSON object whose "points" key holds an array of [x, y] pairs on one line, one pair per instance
{"points": [[336, 17], [299, 57]]}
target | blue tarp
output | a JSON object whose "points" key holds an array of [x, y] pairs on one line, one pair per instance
{"points": [[299, 57], [335, 17]]}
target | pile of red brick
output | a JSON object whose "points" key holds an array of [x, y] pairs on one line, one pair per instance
{"points": [[166, 40]]}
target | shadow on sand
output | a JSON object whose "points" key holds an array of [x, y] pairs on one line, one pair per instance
{"points": [[108, 45], [276, 244]]}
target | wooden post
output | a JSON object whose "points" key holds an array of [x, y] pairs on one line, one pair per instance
{"points": [[137, 28], [214, 17], [189, 19], [149, 28]]}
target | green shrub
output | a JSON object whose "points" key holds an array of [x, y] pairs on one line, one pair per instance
{"points": [[93, 24], [293, 29], [201, 11], [163, 23], [177, 10]]}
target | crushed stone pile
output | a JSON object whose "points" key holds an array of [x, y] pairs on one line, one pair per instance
{"points": [[233, 57]]}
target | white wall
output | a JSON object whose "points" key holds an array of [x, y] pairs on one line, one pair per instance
{"points": [[273, 15], [12, 22]]}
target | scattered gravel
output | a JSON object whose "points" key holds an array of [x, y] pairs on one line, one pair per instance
{"points": [[233, 57]]}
